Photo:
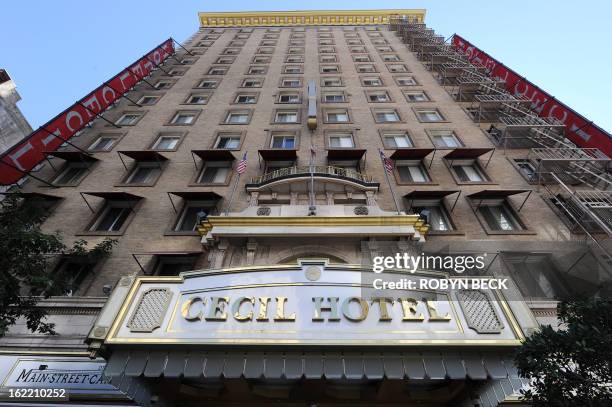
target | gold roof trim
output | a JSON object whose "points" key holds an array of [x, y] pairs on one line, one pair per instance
{"points": [[305, 18], [322, 221]]}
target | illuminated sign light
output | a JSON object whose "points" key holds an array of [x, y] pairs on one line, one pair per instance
{"points": [[580, 130], [28, 153]]}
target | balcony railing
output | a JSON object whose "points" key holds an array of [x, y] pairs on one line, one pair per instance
{"points": [[317, 170]]}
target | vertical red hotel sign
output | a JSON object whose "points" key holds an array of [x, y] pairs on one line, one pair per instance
{"points": [[579, 130], [28, 153]]}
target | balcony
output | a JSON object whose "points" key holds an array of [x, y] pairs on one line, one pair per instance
{"points": [[319, 172]]}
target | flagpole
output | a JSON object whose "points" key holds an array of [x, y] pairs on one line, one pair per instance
{"points": [[229, 204], [239, 170], [380, 153]]}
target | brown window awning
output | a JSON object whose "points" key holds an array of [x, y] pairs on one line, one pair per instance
{"points": [[198, 195], [432, 194], [73, 156], [497, 193], [278, 154], [144, 155], [464, 153], [115, 196], [345, 154], [411, 153], [214, 155]]}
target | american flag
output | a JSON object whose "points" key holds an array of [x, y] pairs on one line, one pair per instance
{"points": [[241, 167], [387, 163]]}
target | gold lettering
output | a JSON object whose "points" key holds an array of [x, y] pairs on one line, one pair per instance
{"points": [[236, 309], [186, 308], [433, 313], [280, 311], [319, 308], [217, 310], [363, 305], [409, 308], [263, 308], [382, 306]]}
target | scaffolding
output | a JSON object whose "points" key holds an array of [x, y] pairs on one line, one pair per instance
{"points": [[574, 181]]}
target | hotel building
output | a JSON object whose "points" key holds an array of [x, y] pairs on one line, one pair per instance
{"points": [[252, 175]]}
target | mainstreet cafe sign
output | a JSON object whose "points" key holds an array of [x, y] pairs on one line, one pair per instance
{"points": [[305, 304]]}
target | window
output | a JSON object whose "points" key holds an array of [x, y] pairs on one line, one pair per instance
{"points": [[237, 43], [71, 174], [384, 49], [294, 59], [295, 50], [208, 84], [326, 42], [291, 83], [252, 83], [412, 172], [327, 50], [260, 60], [341, 140], [143, 173], [331, 82], [176, 72], [362, 58], [148, 100], [113, 217], [128, 119], [330, 69], [214, 172], [184, 118], [257, 70], [225, 60], [371, 81], [287, 97], [395, 68], [337, 116], [268, 43], [357, 50], [391, 58], [71, 273], [327, 58], [338, 97], [163, 84], [525, 167], [279, 140], [445, 139], [293, 69], [166, 142], [386, 116], [244, 98], [237, 118], [104, 142], [435, 215], [192, 214], [366, 68], [499, 217], [397, 140], [205, 43], [429, 115], [286, 116], [378, 97], [174, 265], [469, 173], [228, 141], [231, 51], [416, 96], [405, 81], [195, 99]]}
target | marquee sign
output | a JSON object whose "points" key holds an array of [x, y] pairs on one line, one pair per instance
{"points": [[306, 304], [580, 130], [28, 153]]}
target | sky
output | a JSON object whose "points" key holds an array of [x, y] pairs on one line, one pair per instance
{"points": [[58, 51]]}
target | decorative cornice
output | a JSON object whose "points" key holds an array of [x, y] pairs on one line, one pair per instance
{"points": [[305, 18], [322, 221]]}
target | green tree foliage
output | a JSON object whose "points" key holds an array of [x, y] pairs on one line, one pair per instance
{"points": [[26, 258], [571, 366]]}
